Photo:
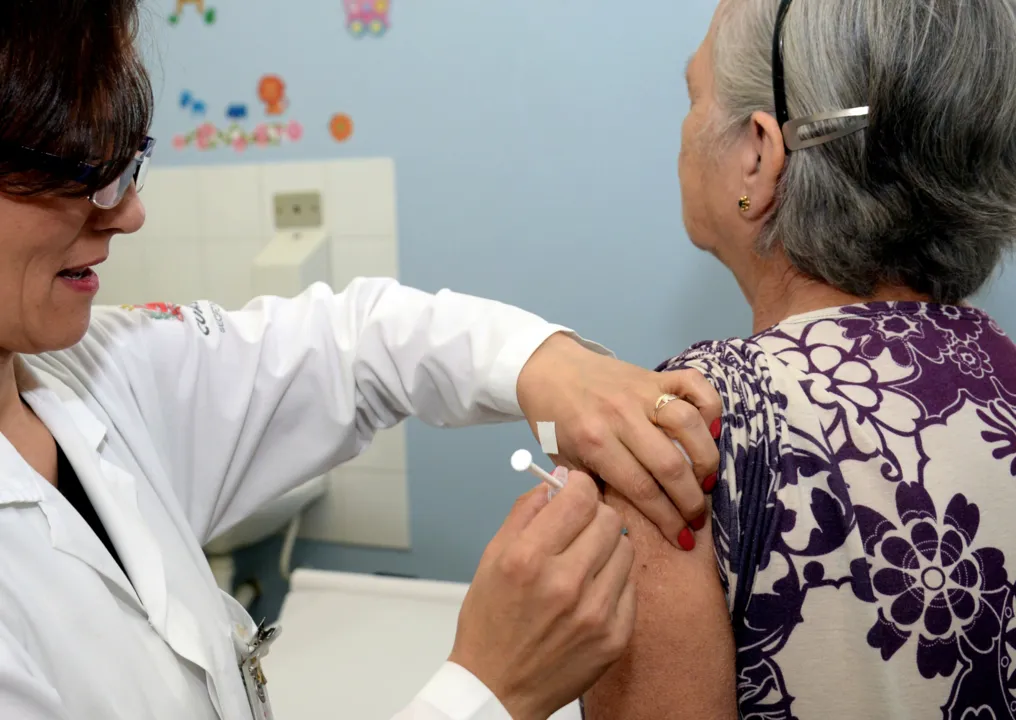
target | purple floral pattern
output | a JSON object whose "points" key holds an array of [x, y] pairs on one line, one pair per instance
{"points": [[868, 465], [970, 359], [931, 581], [877, 334], [1001, 428]]}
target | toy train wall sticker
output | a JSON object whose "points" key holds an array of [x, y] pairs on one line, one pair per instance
{"points": [[367, 17]]}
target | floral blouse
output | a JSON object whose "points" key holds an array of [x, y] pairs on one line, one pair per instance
{"points": [[866, 510]]}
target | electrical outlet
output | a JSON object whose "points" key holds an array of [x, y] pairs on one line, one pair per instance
{"points": [[298, 210]]}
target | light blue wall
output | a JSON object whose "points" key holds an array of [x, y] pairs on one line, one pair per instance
{"points": [[535, 146]]}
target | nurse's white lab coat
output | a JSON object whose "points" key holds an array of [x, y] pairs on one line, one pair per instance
{"points": [[180, 423]]}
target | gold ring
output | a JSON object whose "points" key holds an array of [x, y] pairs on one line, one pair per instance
{"points": [[661, 402]]}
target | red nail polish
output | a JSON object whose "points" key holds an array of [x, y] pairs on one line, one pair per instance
{"points": [[686, 540], [709, 483], [714, 429], [698, 523]]}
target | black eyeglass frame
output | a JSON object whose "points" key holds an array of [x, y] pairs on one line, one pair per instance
{"points": [[82, 172]]}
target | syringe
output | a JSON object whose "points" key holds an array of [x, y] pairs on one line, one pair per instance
{"points": [[522, 461]]}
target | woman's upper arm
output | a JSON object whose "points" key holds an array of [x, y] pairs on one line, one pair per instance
{"points": [[682, 658], [680, 663]]}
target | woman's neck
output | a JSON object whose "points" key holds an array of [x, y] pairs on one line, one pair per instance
{"points": [[20, 426], [11, 408], [776, 290]]}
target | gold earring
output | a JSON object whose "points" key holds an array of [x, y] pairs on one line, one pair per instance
{"points": [[744, 203]]}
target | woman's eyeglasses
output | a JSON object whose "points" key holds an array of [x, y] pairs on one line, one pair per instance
{"points": [[791, 128], [105, 198], [110, 196]]}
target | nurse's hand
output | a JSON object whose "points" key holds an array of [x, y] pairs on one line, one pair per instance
{"points": [[551, 606], [603, 411]]}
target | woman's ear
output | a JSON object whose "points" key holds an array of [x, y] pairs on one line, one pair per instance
{"points": [[764, 159]]}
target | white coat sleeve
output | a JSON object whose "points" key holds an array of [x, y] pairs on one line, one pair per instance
{"points": [[24, 692], [246, 405], [454, 693]]}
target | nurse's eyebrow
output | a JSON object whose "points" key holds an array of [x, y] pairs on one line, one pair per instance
{"points": [[687, 72]]}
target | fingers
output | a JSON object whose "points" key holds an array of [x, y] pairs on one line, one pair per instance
{"points": [[610, 601], [625, 624], [560, 522], [695, 422], [595, 545], [692, 386], [616, 572], [680, 481], [616, 464], [681, 421], [525, 509]]}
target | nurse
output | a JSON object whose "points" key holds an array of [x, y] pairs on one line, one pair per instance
{"points": [[130, 436]]}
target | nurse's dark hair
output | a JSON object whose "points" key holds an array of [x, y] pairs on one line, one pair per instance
{"points": [[72, 84]]}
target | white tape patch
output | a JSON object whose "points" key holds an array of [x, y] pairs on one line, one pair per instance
{"points": [[548, 437]]}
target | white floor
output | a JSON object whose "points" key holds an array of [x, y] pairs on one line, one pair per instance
{"points": [[361, 646]]}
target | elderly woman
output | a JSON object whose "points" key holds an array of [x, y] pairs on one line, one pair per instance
{"points": [[853, 163]]}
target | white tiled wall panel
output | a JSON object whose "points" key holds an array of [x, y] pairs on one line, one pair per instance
{"points": [[204, 227], [229, 204], [361, 198], [363, 506]]}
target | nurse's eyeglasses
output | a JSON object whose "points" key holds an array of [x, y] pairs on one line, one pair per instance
{"points": [[857, 117], [105, 198]]}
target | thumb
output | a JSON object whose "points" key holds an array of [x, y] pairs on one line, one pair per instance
{"points": [[522, 513]]}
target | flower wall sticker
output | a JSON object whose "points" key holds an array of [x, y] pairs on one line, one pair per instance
{"points": [[209, 137]]}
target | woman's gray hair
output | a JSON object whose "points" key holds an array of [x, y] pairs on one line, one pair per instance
{"points": [[925, 197]]}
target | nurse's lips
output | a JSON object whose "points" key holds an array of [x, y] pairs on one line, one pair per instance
{"points": [[81, 278]]}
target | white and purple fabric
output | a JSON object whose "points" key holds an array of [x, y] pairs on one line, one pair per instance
{"points": [[865, 514]]}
